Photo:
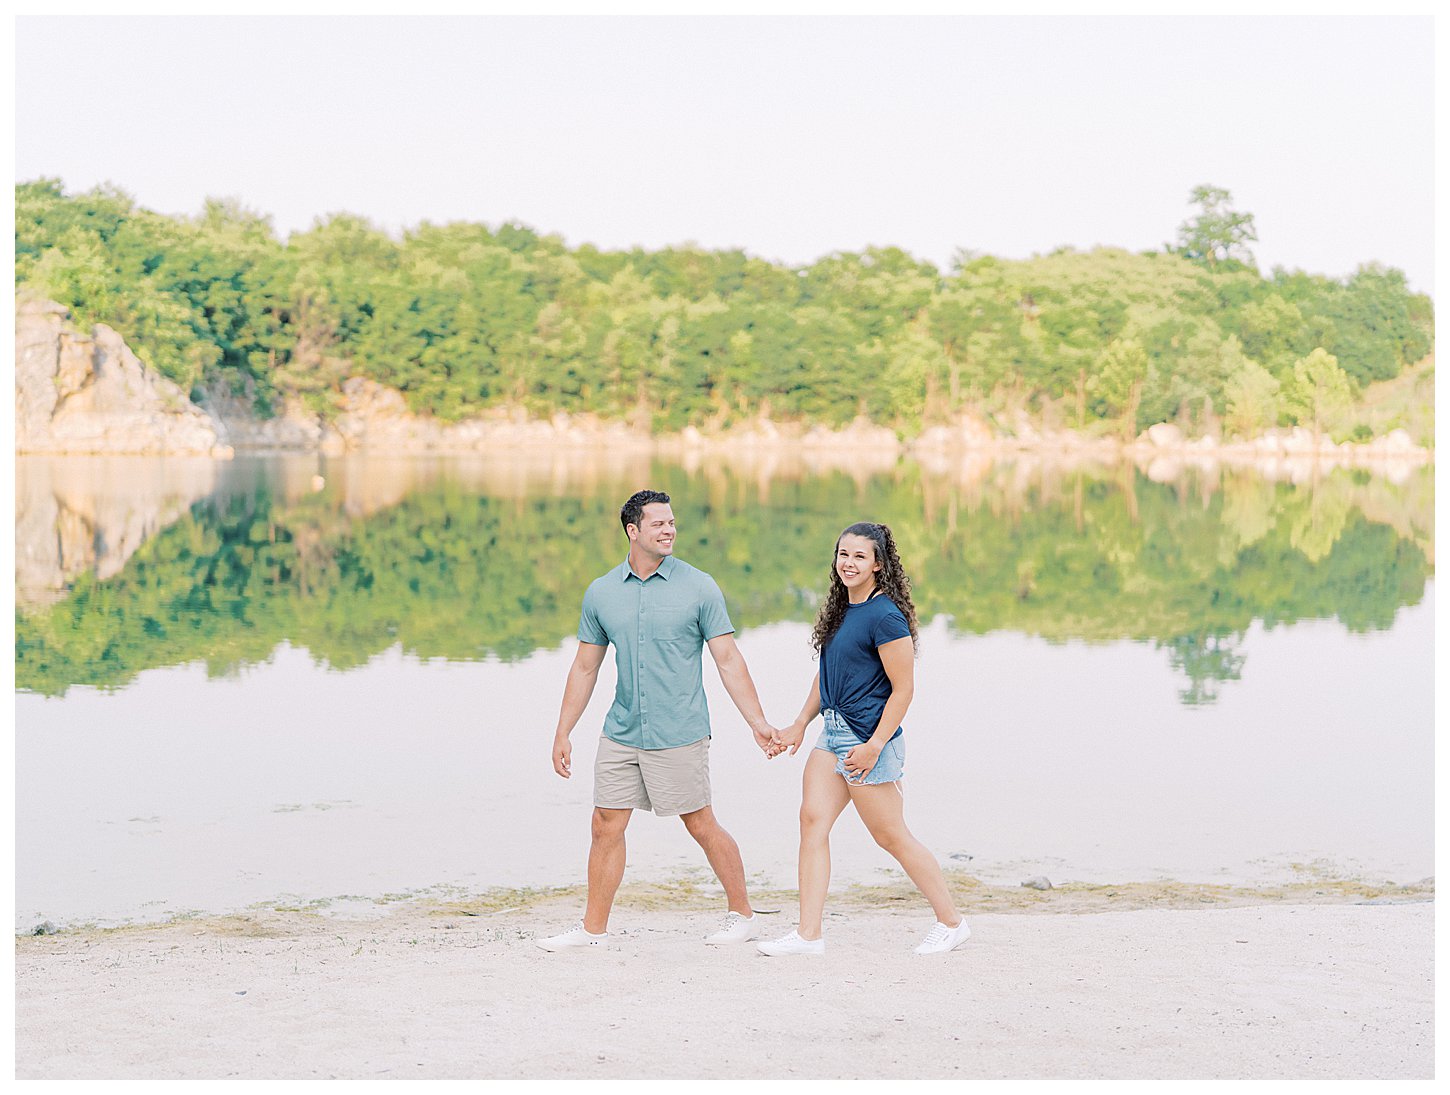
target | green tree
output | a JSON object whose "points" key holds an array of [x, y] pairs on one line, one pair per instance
{"points": [[1219, 233], [916, 369], [1121, 370], [1252, 396], [1192, 387], [1318, 392], [1272, 331], [973, 324]]}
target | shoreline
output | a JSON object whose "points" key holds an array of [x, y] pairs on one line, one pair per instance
{"points": [[490, 436], [1289, 990], [691, 893], [792, 454]]}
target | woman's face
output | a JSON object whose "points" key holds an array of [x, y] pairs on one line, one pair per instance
{"points": [[856, 563]]}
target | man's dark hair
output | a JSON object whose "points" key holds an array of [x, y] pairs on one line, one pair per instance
{"points": [[632, 510]]}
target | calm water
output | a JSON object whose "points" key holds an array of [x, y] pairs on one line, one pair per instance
{"points": [[294, 679]]}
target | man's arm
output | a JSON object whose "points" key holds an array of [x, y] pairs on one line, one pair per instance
{"points": [[735, 675], [577, 689]]}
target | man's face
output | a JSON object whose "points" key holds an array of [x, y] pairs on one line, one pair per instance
{"points": [[655, 533]]}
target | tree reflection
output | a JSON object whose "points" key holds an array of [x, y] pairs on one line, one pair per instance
{"points": [[1207, 660], [466, 562]]}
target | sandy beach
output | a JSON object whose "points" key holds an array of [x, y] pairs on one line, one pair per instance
{"points": [[1316, 980]]}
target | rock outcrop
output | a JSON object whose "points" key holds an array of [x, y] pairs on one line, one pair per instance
{"points": [[88, 393], [293, 429]]}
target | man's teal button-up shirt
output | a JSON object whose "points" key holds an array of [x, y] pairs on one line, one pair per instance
{"points": [[658, 627]]}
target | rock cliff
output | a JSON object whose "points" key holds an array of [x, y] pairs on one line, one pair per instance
{"points": [[88, 393]]}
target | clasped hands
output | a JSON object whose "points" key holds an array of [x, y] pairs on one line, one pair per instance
{"points": [[777, 742], [858, 761]]}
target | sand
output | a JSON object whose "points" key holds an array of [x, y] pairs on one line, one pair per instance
{"points": [[1169, 981]]}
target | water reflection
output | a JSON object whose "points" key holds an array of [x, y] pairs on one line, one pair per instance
{"points": [[127, 565]]}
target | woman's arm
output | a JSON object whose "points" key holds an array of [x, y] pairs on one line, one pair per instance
{"points": [[795, 733], [898, 659]]}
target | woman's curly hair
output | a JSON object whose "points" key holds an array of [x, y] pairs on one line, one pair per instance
{"points": [[891, 580]]}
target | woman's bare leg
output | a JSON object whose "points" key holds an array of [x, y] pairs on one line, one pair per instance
{"points": [[823, 797], [880, 807]]}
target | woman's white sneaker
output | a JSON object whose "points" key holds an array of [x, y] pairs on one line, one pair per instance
{"points": [[576, 938], [942, 938], [791, 944], [736, 929]]}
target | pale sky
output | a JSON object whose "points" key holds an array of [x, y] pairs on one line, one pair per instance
{"points": [[789, 137]]}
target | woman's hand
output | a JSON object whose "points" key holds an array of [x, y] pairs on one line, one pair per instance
{"points": [[791, 738], [860, 759]]}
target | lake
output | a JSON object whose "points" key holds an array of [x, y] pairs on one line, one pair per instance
{"points": [[300, 680]]}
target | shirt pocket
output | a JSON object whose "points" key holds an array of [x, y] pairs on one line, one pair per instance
{"points": [[675, 623]]}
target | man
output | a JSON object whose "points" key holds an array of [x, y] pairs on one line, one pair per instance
{"points": [[658, 612]]}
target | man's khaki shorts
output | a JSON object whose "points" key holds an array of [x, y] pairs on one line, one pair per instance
{"points": [[667, 781]]}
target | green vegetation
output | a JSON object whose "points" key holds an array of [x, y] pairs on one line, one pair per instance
{"points": [[1219, 233], [458, 573], [462, 317], [1407, 402]]}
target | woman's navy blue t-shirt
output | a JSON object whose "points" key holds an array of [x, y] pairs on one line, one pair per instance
{"points": [[853, 681]]}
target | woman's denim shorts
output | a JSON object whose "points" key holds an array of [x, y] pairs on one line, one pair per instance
{"points": [[837, 738]]}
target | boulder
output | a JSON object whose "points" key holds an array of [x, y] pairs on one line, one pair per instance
{"points": [[933, 437], [1165, 469], [1165, 435], [1398, 440], [1300, 441]]}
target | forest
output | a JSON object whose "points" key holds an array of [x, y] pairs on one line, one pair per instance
{"points": [[463, 317]]}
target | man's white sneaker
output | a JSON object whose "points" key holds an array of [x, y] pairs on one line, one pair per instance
{"points": [[570, 939], [942, 938], [736, 929], [791, 944]]}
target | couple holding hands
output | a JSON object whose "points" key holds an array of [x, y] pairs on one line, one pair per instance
{"points": [[658, 612]]}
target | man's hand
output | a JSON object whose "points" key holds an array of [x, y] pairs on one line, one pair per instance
{"points": [[768, 739], [860, 759], [770, 746], [562, 752]]}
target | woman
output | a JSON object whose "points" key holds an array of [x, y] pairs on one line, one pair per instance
{"points": [[866, 636]]}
